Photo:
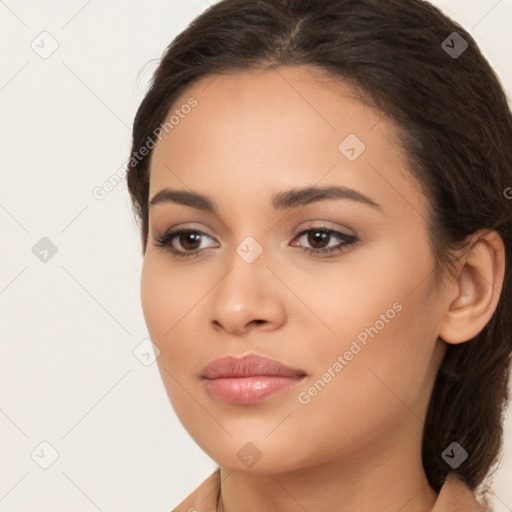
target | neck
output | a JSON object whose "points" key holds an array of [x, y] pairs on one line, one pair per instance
{"points": [[389, 480]]}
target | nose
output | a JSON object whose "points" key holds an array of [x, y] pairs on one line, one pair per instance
{"points": [[248, 296]]}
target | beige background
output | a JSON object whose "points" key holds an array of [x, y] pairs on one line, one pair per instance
{"points": [[69, 376]]}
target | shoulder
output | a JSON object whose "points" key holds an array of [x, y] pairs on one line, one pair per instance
{"points": [[203, 498]]}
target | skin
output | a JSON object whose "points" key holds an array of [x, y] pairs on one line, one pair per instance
{"points": [[357, 444]]}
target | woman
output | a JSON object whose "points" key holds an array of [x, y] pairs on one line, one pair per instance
{"points": [[326, 229]]}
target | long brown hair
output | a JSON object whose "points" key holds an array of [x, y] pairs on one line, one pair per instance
{"points": [[455, 125]]}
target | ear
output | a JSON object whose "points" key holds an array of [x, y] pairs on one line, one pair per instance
{"points": [[472, 297]]}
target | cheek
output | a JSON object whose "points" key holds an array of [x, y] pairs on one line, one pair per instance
{"points": [[164, 298], [376, 387], [153, 298], [384, 317], [167, 295], [170, 299]]}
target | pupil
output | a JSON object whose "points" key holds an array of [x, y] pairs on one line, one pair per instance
{"points": [[194, 237], [314, 238]]}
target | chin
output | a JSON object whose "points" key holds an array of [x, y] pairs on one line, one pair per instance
{"points": [[255, 454]]}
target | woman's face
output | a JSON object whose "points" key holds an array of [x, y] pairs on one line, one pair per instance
{"points": [[361, 322]]}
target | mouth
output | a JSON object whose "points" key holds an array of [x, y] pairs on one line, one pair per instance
{"points": [[250, 379]]}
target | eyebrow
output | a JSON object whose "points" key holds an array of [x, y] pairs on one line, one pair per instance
{"points": [[287, 199]]}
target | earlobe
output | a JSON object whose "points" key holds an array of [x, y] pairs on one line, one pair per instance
{"points": [[477, 289]]}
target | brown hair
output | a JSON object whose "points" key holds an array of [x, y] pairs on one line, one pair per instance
{"points": [[455, 125]]}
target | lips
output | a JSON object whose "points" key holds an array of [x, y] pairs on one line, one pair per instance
{"points": [[249, 379], [248, 366]]}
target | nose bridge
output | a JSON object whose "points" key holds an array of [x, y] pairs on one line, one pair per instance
{"points": [[250, 237], [243, 294], [245, 269], [249, 249]]}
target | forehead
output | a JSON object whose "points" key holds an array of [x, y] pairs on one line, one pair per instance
{"points": [[267, 130]]}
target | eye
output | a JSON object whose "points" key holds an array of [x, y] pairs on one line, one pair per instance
{"points": [[319, 236], [189, 239], [190, 242]]}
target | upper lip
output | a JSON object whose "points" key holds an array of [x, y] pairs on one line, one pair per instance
{"points": [[248, 366]]}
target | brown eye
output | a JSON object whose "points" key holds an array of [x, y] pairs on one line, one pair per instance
{"points": [[186, 242], [182, 242], [189, 240], [319, 239]]}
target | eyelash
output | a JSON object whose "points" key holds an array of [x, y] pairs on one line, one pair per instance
{"points": [[165, 242]]}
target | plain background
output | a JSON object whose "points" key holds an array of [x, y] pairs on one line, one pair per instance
{"points": [[70, 325]]}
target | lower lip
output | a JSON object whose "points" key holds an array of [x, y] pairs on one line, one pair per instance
{"points": [[250, 390]]}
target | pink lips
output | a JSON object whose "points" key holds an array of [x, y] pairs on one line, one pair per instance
{"points": [[249, 379]]}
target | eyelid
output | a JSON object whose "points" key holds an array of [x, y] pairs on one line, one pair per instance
{"points": [[322, 224], [183, 226]]}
